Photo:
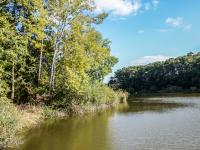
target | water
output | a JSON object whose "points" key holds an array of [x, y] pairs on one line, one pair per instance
{"points": [[171, 123]]}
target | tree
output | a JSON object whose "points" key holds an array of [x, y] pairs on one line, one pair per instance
{"points": [[173, 75]]}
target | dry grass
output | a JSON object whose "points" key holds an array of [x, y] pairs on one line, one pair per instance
{"points": [[14, 119]]}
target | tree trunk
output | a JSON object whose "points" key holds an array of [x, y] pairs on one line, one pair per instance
{"points": [[13, 80], [53, 66], [40, 64], [13, 63]]}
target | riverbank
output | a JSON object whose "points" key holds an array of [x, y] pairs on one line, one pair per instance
{"points": [[165, 94], [153, 123], [16, 119]]}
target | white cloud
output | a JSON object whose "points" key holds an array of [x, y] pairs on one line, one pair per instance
{"points": [[178, 22], [140, 31], [175, 22], [118, 7], [151, 5], [155, 3], [149, 59]]}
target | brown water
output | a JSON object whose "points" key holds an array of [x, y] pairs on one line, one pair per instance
{"points": [[146, 124]]}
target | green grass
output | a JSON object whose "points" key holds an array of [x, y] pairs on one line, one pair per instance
{"points": [[9, 122]]}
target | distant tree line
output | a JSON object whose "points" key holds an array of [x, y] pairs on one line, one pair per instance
{"points": [[181, 74]]}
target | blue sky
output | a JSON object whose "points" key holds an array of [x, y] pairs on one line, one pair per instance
{"points": [[144, 31]]}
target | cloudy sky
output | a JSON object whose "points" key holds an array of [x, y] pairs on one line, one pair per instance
{"points": [[144, 31]]}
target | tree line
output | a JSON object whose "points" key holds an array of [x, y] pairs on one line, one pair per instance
{"points": [[51, 52], [181, 74]]}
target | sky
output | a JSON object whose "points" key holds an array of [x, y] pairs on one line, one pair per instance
{"points": [[145, 31]]}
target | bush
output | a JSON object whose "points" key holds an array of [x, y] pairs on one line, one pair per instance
{"points": [[9, 117], [99, 94], [95, 94], [9, 122]]}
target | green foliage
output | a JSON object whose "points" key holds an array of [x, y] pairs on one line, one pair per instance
{"points": [[94, 94], [51, 49], [52, 55], [173, 75], [9, 119], [97, 93]]}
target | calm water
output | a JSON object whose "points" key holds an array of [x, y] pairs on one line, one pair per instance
{"points": [[146, 124]]}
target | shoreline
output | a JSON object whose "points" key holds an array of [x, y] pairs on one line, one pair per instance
{"points": [[31, 116], [165, 94]]}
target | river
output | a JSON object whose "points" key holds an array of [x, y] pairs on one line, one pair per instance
{"points": [[159, 123]]}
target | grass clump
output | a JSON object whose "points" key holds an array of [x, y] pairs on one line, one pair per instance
{"points": [[15, 118], [9, 122], [101, 94]]}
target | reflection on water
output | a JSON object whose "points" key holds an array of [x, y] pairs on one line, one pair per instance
{"points": [[148, 123], [82, 133], [153, 105]]}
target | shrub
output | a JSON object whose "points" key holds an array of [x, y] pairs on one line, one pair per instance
{"points": [[9, 122], [98, 93], [95, 94]]}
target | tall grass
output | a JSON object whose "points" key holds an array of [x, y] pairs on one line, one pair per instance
{"points": [[99, 93], [95, 93], [9, 122]]}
